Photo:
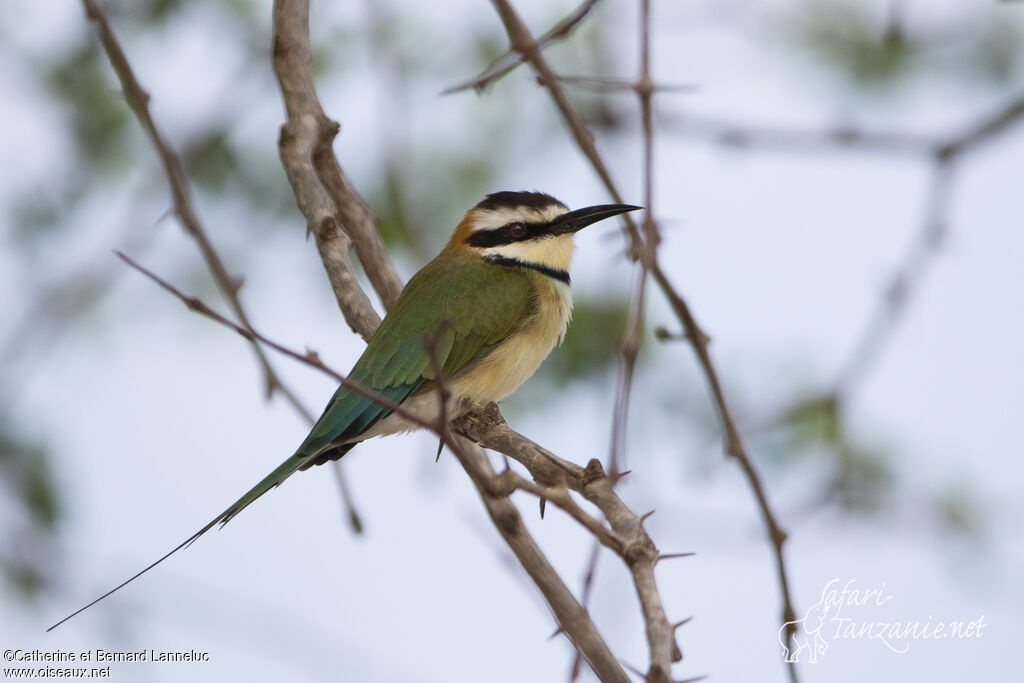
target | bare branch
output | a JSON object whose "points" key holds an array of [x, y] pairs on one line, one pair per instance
{"points": [[735, 448], [572, 619], [902, 284], [602, 84], [504, 64], [588, 587], [521, 40], [523, 43], [318, 181], [310, 358], [636, 548], [989, 127], [494, 490], [791, 139], [325, 195], [138, 99], [634, 328]]}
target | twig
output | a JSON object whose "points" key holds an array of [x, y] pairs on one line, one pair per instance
{"points": [[599, 84], [791, 139], [328, 201], [588, 586], [635, 547], [521, 40], [902, 284], [907, 277], [513, 58], [744, 135], [572, 618], [310, 358], [138, 100], [633, 337], [651, 240], [985, 130], [494, 489], [735, 448]]}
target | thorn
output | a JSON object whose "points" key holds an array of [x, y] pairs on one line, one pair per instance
{"points": [[684, 622], [313, 357], [356, 521], [558, 632], [440, 447], [543, 503], [271, 386], [615, 478], [672, 556], [644, 517]]}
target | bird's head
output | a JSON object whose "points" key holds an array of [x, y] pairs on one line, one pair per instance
{"points": [[531, 228]]}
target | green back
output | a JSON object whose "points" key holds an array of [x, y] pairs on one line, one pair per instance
{"points": [[476, 303]]}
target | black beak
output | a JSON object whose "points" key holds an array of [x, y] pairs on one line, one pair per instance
{"points": [[575, 221]]}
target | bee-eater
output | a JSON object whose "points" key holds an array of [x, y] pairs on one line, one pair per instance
{"points": [[495, 301]]}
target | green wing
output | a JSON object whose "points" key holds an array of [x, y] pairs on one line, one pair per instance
{"points": [[474, 304], [483, 304]]}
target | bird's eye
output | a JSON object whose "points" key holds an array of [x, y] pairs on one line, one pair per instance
{"points": [[516, 230]]}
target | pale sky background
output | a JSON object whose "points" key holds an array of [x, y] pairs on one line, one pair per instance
{"points": [[157, 421]]}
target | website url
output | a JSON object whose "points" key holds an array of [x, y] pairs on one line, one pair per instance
{"points": [[51, 672]]}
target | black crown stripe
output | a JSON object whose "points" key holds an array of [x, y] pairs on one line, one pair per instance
{"points": [[513, 200]]}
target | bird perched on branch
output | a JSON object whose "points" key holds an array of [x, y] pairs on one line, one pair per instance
{"points": [[493, 304]]}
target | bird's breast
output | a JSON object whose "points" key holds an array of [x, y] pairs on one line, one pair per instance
{"points": [[513, 361]]}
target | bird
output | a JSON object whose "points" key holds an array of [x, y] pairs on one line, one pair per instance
{"points": [[493, 304]]}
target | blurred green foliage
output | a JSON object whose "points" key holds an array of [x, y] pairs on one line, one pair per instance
{"points": [[860, 476], [593, 342], [27, 537], [848, 37], [81, 80], [878, 51], [959, 511]]}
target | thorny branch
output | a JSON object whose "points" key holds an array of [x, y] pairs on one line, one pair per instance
{"points": [[636, 548], [228, 285], [494, 489], [522, 41], [308, 161], [944, 153], [310, 358], [138, 99], [635, 322], [504, 64]]}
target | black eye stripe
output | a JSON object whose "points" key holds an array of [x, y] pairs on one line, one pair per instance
{"points": [[503, 235]]}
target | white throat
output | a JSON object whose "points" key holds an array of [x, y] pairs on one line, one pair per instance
{"points": [[550, 252]]}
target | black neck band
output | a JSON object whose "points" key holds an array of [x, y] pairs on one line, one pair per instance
{"points": [[554, 273]]}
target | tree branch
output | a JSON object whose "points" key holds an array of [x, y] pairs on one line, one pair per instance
{"points": [[328, 201], [335, 213], [522, 41], [633, 545], [572, 619], [229, 286], [507, 62], [494, 489]]}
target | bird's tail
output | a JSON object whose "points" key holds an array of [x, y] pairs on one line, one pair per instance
{"points": [[287, 468]]}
